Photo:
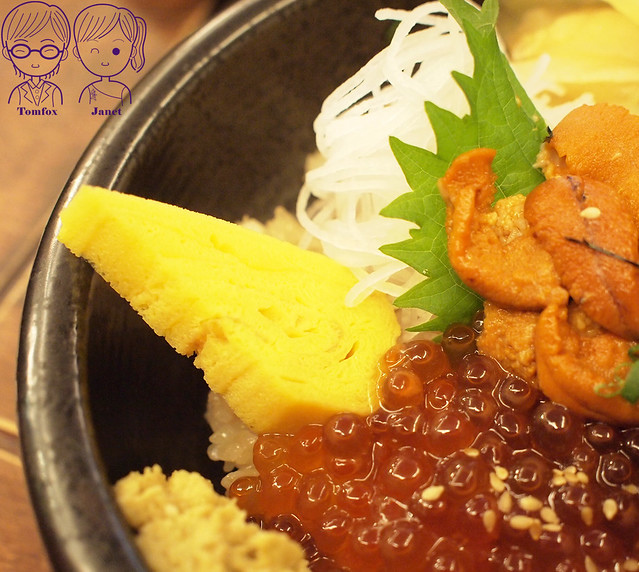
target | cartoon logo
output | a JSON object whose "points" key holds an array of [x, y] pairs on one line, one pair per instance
{"points": [[35, 38], [107, 40]]}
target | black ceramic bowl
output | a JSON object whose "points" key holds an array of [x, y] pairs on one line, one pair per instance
{"points": [[222, 126]]}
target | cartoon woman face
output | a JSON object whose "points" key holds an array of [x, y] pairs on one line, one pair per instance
{"points": [[107, 38], [35, 49], [106, 56]]}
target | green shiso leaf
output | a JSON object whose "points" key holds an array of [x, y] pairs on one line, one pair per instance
{"points": [[630, 386], [630, 390], [502, 117], [627, 387]]}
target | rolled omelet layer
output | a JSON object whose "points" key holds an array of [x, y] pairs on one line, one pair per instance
{"points": [[266, 319]]}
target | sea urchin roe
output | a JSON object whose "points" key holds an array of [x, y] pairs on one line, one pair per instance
{"points": [[465, 467]]}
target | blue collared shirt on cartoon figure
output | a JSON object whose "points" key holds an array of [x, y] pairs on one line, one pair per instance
{"points": [[107, 40], [35, 38]]}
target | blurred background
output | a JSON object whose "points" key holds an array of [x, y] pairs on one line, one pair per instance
{"points": [[37, 155]]}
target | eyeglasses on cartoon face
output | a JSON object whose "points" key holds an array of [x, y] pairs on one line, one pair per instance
{"points": [[21, 51]]}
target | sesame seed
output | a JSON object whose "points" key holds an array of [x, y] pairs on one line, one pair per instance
{"points": [[570, 474], [548, 515], [590, 213], [559, 480], [552, 527], [631, 565], [471, 452], [632, 489], [535, 529], [432, 493], [571, 478], [496, 483], [489, 519], [587, 515], [530, 503], [505, 502], [501, 472], [521, 522], [583, 478], [590, 565], [610, 508]]}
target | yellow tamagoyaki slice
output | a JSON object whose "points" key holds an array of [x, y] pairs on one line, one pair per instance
{"points": [[265, 319]]}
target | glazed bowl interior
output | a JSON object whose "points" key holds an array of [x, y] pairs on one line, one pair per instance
{"points": [[222, 126]]}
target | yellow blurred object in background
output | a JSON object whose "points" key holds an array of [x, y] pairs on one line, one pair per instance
{"points": [[593, 46]]}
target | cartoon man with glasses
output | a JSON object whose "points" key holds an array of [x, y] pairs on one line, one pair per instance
{"points": [[35, 38]]}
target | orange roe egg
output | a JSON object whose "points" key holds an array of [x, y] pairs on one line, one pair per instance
{"points": [[464, 467]]}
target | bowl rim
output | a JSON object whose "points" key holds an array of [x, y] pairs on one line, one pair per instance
{"points": [[90, 534]]}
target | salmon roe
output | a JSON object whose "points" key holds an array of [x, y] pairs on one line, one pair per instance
{"points": [[464, 467]]}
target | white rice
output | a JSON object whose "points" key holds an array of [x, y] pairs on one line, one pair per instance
{"points": [[232, 441]]}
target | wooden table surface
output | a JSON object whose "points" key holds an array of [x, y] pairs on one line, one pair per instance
{"points": [[37, 154]]}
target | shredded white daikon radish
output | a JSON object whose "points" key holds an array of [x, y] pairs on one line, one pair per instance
{"points": [[358, 175]]}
